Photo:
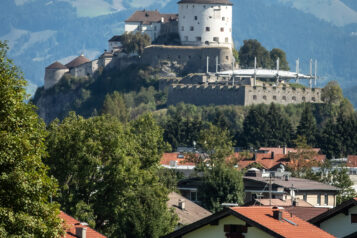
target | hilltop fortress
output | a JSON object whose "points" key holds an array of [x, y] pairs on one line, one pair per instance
{"points": [[204, 32]]}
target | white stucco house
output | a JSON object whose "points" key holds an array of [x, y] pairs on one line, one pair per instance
{"points": [[340, 221]]}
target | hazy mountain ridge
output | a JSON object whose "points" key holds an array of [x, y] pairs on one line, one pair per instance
{"points": [[42, 31]]}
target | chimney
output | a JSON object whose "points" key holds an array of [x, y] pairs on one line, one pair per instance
{"points": [[272, 155], [182, 204], [81, 232], [277, 213]]}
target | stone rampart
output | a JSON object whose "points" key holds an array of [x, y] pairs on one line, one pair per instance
{"points": [[192, 59], [240, 95]]}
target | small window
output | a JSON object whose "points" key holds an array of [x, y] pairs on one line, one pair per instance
{"points": [[318, 199], [196, 18], [226, 40], [265, 97], [227, 57], [294, 98], [223, 18], [305, 197], [254, 97], [284, 98], [206, 42], [198, 38], [192, 28], [353, 218], [208, 28], [313, 99], [274, 97], [193, 196], [222, 29], [216, 39], [303, 99], [210, 17], [326, 199], [204, 6]]}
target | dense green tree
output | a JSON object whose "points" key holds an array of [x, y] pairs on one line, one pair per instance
{"points": [[114, 105], [235, 55], [278, 53], [332, 93], [108, 173], [25, 188], [250, 50], [221, 182], [307, 126], [135, 42]]}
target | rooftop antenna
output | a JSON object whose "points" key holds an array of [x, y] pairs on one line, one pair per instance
{"points": [[315, 72], [255, 71], [310, 73], [297, 70]]}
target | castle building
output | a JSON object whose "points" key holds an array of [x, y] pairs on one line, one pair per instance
{"points": [[114, 43], [149, 22], [205, 22], [54, 73]]}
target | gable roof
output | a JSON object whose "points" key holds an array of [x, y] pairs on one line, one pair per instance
{"points": [[342, 208], [225, 2], [77, 61], [148, 17], [192, 211], [71, 224], [115, 38], [298, 183], [56, 65], [306, 213], [262, 218]]}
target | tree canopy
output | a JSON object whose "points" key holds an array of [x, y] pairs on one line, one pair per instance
{"points": [[25, 188], [135, 42]]}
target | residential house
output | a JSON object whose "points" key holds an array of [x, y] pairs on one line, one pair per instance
{"points": [[250, 222], [340, 221], [177, 161], [75, 228], [188, 212]]}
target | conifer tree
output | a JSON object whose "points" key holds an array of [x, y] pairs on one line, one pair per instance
{"points": [[307, 126], [25, 188]]}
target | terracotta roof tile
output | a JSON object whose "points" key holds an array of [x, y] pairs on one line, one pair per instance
{"points": [[352, 161], [264, 217], [178, 157], [56, 65], [71, 224], [281, 203], [306, 213], [77, 61]]}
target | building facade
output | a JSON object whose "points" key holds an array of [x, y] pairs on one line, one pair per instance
{"points": [[205, 22]]}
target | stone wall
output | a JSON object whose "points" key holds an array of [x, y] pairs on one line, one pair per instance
{"points": [[191, 59], [52, 76], [240, 95]]}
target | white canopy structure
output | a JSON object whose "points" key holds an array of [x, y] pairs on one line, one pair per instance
{"points": [[265, 73]]}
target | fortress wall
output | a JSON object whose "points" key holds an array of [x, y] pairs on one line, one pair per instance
{"points": [[206, 95], [281, 95], [192, 59], [52, 76]]}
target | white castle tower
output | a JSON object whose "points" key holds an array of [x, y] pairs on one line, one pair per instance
{"points": [[205, 22]]}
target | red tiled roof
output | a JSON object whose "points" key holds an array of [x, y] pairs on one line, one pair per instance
{"points": [[266, 160], [264, 217], [352, 161], [167, 157], [280, 150], [71, 224], [148, 17]]}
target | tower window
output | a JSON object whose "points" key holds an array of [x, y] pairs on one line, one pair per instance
{"points": [[198, 38], [196, 18], [192, 28], [265, 97], [208, 28], [294, 98], [274, 97], [216, 39], [222, 29], [223, 18]]}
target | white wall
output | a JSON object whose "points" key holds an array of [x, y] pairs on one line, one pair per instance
{"points": [[152, 30], [52, 76], [340, 225], [208, 15], [217, 231], [114, 44]]}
